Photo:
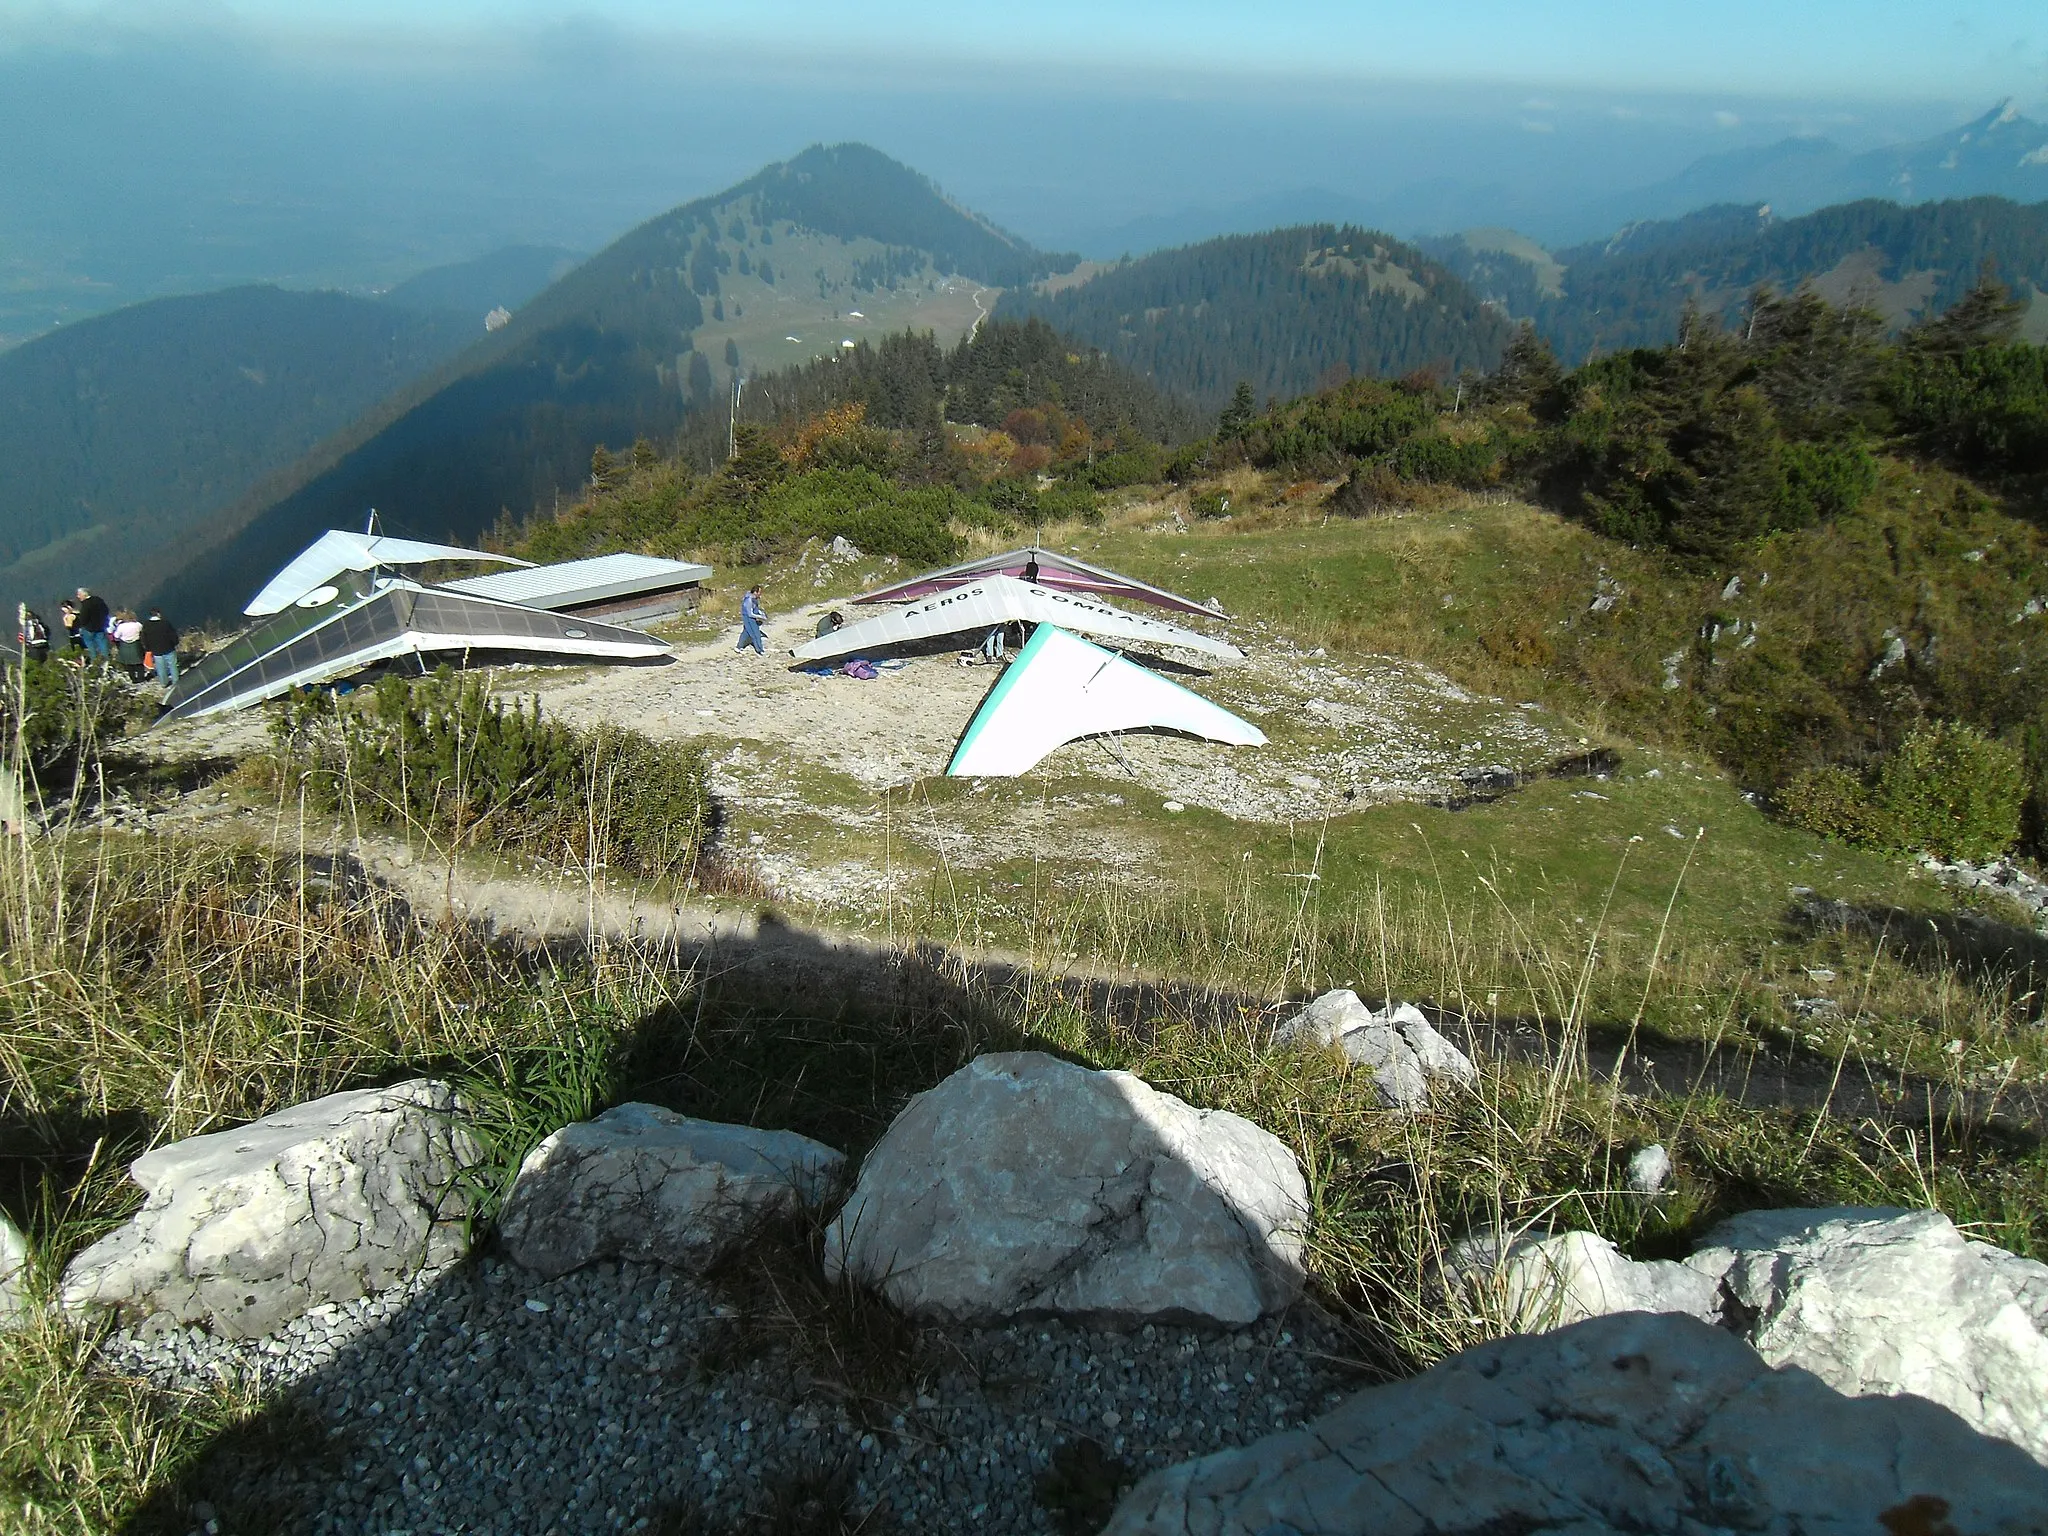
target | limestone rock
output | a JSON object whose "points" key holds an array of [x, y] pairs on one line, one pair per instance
{"points": [[1024, 1185], [1644, 1424], [1541, 1283], [1406, 1054], [14, 1302], [640, 1182], [1874, 1300], [245, 1229]]}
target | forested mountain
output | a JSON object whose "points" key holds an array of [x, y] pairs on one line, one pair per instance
{"points": [[800, 261], [1630, 290], [502, 279], [121, 436], [1283, 310]]}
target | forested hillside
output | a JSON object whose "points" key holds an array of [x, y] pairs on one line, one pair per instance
{"points": [[1629, 290], [1285, 311], [122, 435], [798, 262]]}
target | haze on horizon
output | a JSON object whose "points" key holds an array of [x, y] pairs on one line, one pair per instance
{"points": [[149, 148]]}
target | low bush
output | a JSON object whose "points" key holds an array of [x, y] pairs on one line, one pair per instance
{"points": [[1952, 791], [444, 754], [57, 716], [1948, 790]]}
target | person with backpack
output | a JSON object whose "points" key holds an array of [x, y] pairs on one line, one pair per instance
{"points": [[93, 619], [33, 634], [160, 643]]}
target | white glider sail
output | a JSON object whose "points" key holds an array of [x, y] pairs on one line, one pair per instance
{"points": [[1044, 568], [376, 620], [994, 600], [336, 551], [1060, 688]]}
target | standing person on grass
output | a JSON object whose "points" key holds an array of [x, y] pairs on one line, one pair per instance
{"points": [[160, 643], [751, 618], [93, 618]]}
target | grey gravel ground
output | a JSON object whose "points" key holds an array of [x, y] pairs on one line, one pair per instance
{"points": [[627, 1397]]}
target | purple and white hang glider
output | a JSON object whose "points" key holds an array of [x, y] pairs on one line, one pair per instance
{"points": [[1041, 568]]}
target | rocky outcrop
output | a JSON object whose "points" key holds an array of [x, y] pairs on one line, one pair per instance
{"points": [[1635, 1423], [1886, 1301], [1871, 1300], [1024, 1185], [14, 1300], [243, 1230], [1540, 1283], [640, 1182], [1406, 1054]]}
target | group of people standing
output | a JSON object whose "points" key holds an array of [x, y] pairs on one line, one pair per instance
{"points": [[96, 632]]}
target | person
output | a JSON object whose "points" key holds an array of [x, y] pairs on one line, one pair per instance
{"points": [[160, 644], [93, 619], [128, 644], [67, 615], [33, 634], [830, 623], [751, 617]]}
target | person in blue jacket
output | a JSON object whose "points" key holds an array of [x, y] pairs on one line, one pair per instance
{"points": [[751, 617]]}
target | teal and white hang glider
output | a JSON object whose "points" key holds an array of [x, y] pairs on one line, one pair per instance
{"points": [[1061, 688]]}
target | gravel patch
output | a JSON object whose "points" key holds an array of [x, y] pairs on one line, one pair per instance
{"points": [[626, 1397]]}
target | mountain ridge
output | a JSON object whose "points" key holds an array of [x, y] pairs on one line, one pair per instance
{"points": [[655, 325]]}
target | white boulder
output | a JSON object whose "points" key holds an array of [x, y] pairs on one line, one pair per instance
{"points": [[1539, 1283], [1881, 1301], [1406, 1054], [1025, 1185], [641, 1182], [1635, 1423], [243, 1230], [14, 1301]]}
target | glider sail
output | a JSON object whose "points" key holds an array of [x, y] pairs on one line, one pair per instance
{"points": [[993, 600], [336, 552], [377, 620], [1061, 688], [1043, 568]]}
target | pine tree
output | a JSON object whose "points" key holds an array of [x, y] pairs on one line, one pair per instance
{"points": [[1987, 316], [1238, 415]]}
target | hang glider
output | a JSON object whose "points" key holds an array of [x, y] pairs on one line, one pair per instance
{"points": [[1060, 688], [1044, 568], [374, 619], [336, 551], [993, 600]]}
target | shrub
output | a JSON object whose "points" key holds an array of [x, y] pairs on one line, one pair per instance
{"points": [[1209, 504], [62, 714], [1948, 790], [1952, 791], [444, 754], [1830, 801]]}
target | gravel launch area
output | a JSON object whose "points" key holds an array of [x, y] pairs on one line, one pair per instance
{"points": [[628, 1397]]}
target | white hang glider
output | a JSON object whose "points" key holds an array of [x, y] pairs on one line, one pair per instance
{"points": [[336, 551], [1060, 688], [341, 607], [994, 600], [1043, 568]]}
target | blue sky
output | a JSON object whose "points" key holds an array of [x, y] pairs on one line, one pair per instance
{"points": [[1950, 49]]}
